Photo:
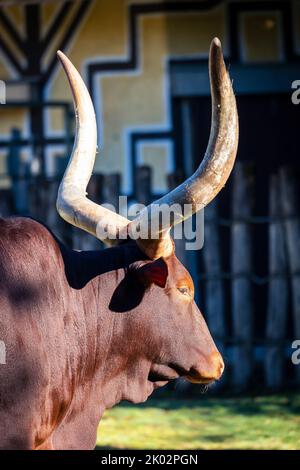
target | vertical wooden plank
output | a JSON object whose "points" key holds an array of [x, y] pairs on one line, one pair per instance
{"points": [[188, 130], [95, 186], [290, 211], [214, 288], [111, 189], [6, 203], [33, 197], [18, 170], [90, 242], [38, 198], [241, 267], [44, 188], [82, 240], [174, 180], [277, 292], [143, 184], [52, 218]]}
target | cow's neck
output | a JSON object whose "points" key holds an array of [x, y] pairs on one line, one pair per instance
{"points": [[97, 277]]}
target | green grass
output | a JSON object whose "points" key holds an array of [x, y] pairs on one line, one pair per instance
{"points": [[269, 422]]}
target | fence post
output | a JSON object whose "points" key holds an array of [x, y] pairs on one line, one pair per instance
{"points": [[33, 197], [6, 203], [214, 288], [143, 184], [82, 240], [241, 267], [290, 210], [174, 179], [277, 292], [111, 187], [18, 170]]}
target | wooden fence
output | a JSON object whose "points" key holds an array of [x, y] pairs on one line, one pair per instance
{"points": [[254, 332]]}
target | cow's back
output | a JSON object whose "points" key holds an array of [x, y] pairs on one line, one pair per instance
{"points": [[36, 327], [31, 269]]}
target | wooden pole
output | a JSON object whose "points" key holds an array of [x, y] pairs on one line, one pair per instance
{"points": [[290, 211], [80, 239], [214, 288], [59, 227], [33, 197], [6, 203], [241, 267], [277, 293], [18, 172], [143, 184], [111, 189]]}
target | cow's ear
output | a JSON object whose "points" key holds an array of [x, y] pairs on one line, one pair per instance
{"points": [[155, 272]]}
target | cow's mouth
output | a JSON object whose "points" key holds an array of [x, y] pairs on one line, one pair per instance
{"points": [[194, 377], [160, 374]]}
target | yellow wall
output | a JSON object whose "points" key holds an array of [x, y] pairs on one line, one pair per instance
{"points": [[137, 99]]}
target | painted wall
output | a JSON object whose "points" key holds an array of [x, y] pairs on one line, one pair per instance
{"points": [[136, 97]]}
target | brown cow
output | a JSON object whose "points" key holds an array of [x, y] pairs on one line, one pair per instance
{"points": [[85, 330]]}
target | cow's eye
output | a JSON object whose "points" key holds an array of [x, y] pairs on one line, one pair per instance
{"points": [[184, 290]]}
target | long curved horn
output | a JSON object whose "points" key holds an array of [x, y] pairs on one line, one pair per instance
{"points": [[72, 203], [192, 195], [197, 191]]}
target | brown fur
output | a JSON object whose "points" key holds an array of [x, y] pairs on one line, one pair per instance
{"points": [[83, 332]]}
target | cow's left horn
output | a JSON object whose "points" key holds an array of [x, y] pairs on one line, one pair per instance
{"points": [[188, 198], [72, 203], [197, 191]]}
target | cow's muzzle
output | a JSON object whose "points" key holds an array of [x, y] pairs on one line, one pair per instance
{"points": [[208, 372]]}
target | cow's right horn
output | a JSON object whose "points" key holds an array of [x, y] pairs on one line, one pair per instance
{"points": [[197, 191], [191, 196]]}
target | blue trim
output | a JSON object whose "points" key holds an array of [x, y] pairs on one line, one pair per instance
{"points": [[191, 78]]}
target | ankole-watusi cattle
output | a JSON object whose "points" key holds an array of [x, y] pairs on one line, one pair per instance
{"points": [[85, 330]]}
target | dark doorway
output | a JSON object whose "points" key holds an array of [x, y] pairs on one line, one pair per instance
{"points": [[269, 135]]}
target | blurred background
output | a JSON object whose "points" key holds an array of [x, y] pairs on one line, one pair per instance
{"points": [[146, 66]]}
